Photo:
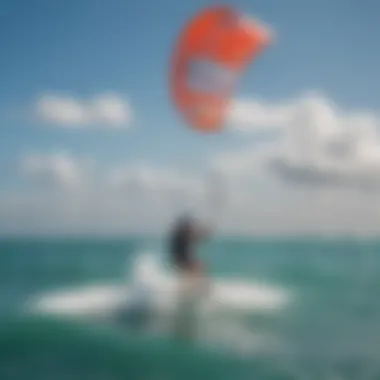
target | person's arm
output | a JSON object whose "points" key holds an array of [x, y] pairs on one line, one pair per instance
{"points": [[202, 232]]}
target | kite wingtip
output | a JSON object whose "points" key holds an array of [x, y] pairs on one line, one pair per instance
{"points": [[266, 30]]}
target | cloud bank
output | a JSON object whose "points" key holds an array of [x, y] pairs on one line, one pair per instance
{"points": [[319, 174], [107, 110], [320, 144]]}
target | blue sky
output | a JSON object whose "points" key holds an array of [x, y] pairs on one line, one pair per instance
{"points": [[86, 47]]}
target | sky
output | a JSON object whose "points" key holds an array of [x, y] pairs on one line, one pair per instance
{"points": [[91, 143]]}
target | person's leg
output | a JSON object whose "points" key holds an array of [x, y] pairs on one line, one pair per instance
{"points": [[193, 274], [197, 271], [197, 267]]}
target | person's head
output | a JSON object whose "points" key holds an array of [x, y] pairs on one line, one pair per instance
{"points": [[185, 220], [188, 221]]}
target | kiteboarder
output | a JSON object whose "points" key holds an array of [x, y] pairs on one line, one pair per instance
{"points": [[183, 239]]}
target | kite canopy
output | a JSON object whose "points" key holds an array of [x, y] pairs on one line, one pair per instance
{"points": [[211, 53]]}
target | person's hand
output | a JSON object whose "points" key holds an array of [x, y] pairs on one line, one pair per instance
{"points": [[204, 232]]}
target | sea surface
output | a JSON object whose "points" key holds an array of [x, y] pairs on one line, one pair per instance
{"points": [[330, 328]]}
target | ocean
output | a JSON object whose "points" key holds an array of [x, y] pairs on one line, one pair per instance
{"points": [[328, 329]]}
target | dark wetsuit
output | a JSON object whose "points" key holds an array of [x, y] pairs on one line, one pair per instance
{"points": [[181, 246]]}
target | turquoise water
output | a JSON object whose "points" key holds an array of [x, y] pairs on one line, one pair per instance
{"points": [[330, 330]]}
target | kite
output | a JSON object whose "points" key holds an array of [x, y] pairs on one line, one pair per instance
{"points": [[211, 53]]}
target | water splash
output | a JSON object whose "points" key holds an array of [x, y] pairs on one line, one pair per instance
{"points": [[149, 297]]}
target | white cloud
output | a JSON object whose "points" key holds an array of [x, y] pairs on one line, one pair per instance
{"points": [[319, 144], [140, 198], [247, 115], [106, 110], [57, 169]]}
